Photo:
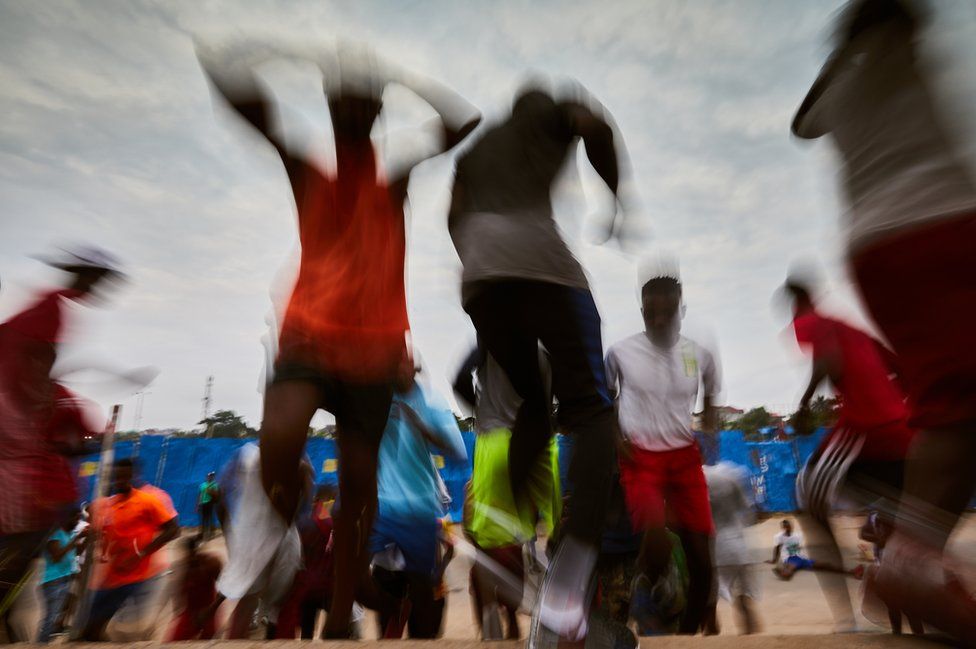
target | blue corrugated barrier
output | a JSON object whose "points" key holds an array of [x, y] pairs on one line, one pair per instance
{"points": [[179, 464]]}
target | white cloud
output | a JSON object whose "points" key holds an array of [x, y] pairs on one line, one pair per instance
{"points": [[109, 135]]}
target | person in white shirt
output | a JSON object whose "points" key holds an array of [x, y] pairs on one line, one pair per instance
{"points": [[788, 556], [656, 375], [911, 234], [733, 509]]}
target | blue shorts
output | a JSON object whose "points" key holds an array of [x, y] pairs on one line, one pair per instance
{"points": [[800, 563], [416, 539]]}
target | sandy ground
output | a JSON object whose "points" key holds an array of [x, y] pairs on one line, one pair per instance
{"points": [[786, 608]]}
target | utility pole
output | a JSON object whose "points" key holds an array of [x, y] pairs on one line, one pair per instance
{"points": [[206, 405], [137, 425]]}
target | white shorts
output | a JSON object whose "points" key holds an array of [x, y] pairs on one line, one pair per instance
{"points": [[737, 581]]}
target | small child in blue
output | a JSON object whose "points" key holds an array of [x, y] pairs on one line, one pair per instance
{"points": [[60, 565]]}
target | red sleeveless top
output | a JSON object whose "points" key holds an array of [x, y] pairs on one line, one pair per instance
{"points": [[347, 315]]}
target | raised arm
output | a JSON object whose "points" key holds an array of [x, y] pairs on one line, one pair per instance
{"points": [[232, 77], [598, 140], [456, 118]]}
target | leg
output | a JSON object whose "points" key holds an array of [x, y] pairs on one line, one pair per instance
{"points": [[515, 348], [105, 604], [569, 327], [206, 512], [750, 621], [484, 600], [288, 408], [894, 618], [16, 553], [655, 553], [939, 483], [785, 571], [361, 414], [699, 557], [183, 628], [357, 488], [54, 593], [241, 617], [309, 615], [825, 477], [426, 612]]}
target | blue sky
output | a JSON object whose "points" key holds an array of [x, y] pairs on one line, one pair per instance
{"points": [[109, 136]]}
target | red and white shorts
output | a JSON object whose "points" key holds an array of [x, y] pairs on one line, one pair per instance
{"points": [[666, 488]]}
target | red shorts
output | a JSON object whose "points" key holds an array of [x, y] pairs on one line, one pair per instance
{"points": [[666, 488], [920, 287]]}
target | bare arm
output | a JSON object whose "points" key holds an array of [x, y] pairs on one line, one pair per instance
{"points": [[168, 531], [824, 367], [598, 140], [709, 415], [238, 85], [455, 120], [57, 551]]}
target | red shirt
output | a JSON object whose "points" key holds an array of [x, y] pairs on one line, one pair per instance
{"points": [[870, 401], [38, 418], [348, 314]]}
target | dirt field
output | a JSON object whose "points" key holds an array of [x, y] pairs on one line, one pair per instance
{"points": [[786, 608]]}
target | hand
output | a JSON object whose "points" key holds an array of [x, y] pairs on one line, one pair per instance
{"points": [[601, 224], [129, 562], [625, 450]]}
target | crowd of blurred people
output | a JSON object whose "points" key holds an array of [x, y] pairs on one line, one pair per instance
{"points": [[639, 536]]}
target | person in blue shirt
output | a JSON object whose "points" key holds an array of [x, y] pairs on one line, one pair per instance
{"points": [[60, 564], [412, 500]]}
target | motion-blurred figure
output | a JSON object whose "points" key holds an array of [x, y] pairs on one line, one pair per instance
{"points": [[311, 591], [862, 460], [131, 526], [196, 618], [263, 551], [521, 286], [60, 562], [343, 331], [912, 230], [877, 529], [405, 540], [656, 375], [41, 423], [206, 502], [732, 510], [494, 522]]}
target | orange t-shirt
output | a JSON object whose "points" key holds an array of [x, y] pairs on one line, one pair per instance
{"points": [[348, 314], [126, 525]]}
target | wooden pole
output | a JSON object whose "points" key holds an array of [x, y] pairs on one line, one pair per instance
{"points": [[102, 482]]}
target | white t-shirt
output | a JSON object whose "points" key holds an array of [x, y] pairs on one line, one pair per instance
{"points": [[790, 545], [900, 167], [657, 389], [263, 552], [732, 511]]}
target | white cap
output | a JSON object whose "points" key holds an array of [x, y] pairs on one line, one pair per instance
{"points": [[660, 265], [83, 256]]}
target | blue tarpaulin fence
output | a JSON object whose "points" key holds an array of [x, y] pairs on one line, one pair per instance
{"points": [[179, 464]]}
